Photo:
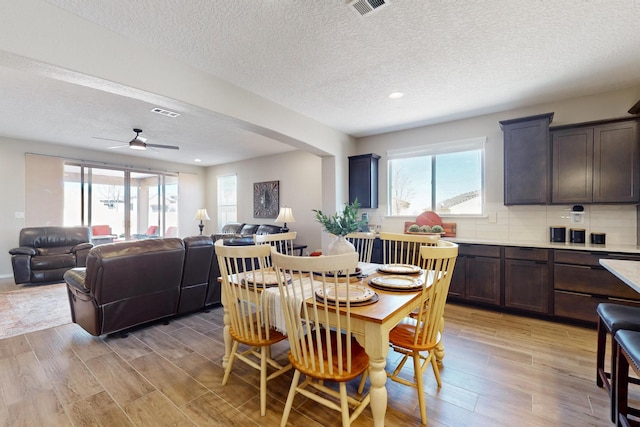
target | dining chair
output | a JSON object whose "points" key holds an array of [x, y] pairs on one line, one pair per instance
{"points": [[417, 337], [322, 346], [363, 242], [245, 273], [399, 248], [283, 242]]}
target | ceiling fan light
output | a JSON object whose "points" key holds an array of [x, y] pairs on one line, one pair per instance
{"points": [[137, 145]]}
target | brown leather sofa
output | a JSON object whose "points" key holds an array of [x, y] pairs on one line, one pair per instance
{"points": [[46, 253], [127, 284]]}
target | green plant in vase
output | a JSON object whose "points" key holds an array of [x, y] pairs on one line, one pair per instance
{"points": [[341, 224]]}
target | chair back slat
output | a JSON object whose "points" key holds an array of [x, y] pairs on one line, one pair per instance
{"points": [[363, 242], [438, 262], [283, 242], [311, 324], [400, 248], [248, 321]]}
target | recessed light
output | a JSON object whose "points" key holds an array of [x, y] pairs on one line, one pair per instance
{"points": [[396, 95], [197, 160]]}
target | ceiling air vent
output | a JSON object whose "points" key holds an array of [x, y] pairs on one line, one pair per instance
{"points": [[364, 7], [164, 112]]}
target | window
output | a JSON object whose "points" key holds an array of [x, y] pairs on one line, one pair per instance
{"points": [[227, 200], [446, 178]]}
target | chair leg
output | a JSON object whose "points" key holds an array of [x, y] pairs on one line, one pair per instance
{"points": [[363, 380], [292, 394], [436, 370], [344, 405], [602, 342], [417, 369], [620, 394], [232, 357], [263, 379]]}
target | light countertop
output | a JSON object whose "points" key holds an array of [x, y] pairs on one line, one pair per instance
{"points": [[630, 249], [627, 271]]}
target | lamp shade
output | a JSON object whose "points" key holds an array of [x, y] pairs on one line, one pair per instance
{"points": [[285, 215], [201, 215]]}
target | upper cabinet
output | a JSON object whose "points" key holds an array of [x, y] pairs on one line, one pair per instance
{"points": [[363, 180], [596, 162], [527, 159]]}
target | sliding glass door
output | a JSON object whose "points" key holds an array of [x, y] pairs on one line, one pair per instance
{"points": [[133, 204]]}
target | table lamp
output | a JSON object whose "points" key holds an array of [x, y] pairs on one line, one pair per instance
{"points": [[285, 216], [201, 215]]}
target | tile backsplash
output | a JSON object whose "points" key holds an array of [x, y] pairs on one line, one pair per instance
{"points": [[531, 223]]}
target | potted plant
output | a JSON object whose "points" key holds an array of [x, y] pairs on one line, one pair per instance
{"points": [[341, 224]]}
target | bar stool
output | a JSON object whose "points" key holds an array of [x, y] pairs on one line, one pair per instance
{"points": [[612, 318], [627, 345]]}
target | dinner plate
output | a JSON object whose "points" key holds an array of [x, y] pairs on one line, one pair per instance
{"points": [[339, 293], [399, 269], [270, 278], [396, 282]]}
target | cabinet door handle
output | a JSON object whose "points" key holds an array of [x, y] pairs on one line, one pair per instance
{"points": [[597, 267]]}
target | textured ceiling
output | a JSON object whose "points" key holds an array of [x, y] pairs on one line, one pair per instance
{"points": [[452, 59]]}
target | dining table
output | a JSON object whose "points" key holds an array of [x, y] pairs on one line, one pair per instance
{"points": [[370, 325]]}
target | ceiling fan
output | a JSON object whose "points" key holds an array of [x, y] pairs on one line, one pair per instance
{"points": [[140, 143]]}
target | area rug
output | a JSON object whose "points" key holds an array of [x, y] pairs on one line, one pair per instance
{"points": [[33, 309]]}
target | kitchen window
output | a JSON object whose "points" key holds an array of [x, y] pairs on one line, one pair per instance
{"points": [[447, 178]]}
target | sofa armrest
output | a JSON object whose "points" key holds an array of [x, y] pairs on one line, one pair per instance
{"points": [[81, 247], [76, 277], [24, 250]]}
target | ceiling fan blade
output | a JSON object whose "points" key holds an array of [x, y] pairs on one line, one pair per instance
{"points": [[108, 139], [170, 147], [117, 146]]}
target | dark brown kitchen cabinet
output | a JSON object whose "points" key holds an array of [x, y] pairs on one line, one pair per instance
{"points": [[527, 160], [477, 274], [596, 162], [581, 283], [363, 180], [527, 283]]}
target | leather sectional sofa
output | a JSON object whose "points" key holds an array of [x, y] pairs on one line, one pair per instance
{"points": [[127, 284], [46, 253]]}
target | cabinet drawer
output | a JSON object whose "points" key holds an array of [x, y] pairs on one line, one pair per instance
{"points": [[588, 258], [479, 250], [533, 254], [576, 306], [591, 280]]}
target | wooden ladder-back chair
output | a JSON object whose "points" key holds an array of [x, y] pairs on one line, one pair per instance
{"points": [[363, 242], [244, 270], [398, 248], [321, 344], [283, 242], [417, 337]]}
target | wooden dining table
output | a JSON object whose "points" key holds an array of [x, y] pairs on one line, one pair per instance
{"points": [[370, 325]]}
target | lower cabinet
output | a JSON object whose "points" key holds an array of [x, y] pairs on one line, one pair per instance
{"points": [[527, 283], [477, 274]]}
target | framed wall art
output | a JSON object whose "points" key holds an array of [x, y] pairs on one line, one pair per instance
{"points": [[266, 199]]}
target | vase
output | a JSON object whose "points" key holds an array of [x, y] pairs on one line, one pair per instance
{"points": [[340, 245]]}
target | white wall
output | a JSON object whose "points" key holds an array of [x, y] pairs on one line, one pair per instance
{"points": [[516, 223], [12, 184], [300, 176]]}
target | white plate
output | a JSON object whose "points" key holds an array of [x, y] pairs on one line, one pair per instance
{"points": [[399, 269], [396, 282], [356, 293], [270, 278]]}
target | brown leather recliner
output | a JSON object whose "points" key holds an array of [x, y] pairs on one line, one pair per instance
{"points": [[126, 284], [195, 275], [46, 253]]}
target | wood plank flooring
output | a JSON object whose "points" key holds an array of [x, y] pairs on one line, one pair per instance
{"points": [[499, 369]]}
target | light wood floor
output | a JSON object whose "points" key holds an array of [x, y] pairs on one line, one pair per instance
{"points": [[499, 370]]}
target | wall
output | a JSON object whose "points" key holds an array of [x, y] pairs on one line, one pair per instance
{"points": [[516, 223], [12, 177], [300, 176]]}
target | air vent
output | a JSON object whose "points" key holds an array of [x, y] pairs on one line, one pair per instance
{"points": [[164, 112], [364, 7]]}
